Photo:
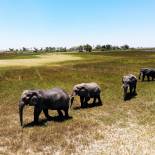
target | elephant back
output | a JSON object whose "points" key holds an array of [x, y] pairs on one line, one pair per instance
{"points": [[93, 88], [57, 98]]}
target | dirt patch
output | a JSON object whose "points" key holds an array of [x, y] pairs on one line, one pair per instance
{"points": [[39, 61], [132, 140]]}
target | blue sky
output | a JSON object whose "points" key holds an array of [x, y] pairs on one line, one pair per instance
{"points": [[41, 23]]}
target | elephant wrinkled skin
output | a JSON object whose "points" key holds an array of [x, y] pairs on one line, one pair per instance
{"points": [[54, 99], [87, 91], [147, 72], [129, 82]]}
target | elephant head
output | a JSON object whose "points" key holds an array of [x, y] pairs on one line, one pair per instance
{"points": [[79, 90], [125, 87], [28, 97]]}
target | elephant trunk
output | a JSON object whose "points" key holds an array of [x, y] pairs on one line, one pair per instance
{"points": [[125, 92], [21, 107], [72, 98]]}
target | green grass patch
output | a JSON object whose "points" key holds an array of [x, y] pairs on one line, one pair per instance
{"points": [[88, 125]]}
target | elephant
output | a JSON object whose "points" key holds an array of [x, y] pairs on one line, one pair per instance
{"points": [[129, 82], [149, 72], [53, 99], [86, 91]]}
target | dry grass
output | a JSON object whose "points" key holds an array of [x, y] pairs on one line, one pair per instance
{"points": [[117, 127]]}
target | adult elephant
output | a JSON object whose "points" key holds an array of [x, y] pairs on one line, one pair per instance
{"points": [[129, 82], [54, 99], [147, 72], [86, 91]]}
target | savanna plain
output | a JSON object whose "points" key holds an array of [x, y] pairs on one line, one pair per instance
{"points": [[117, 127]]}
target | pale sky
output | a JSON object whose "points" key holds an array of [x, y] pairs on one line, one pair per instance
{"points": [[41, 23]]}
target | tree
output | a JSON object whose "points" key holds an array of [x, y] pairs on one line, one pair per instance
{"points": [[24, 49], [62, 49], [52, 49], [125, 47], [11, 49], [98, 47], [80, 48], [46, 49], [35, 50], [88, 48], [115, 48], [41, 50], [108, 47]]}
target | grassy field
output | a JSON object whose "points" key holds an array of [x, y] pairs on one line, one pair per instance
{"points": [[35, 60], [117, 127]]}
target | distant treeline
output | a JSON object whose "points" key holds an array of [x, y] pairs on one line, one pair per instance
{"points": [[81, 48]]}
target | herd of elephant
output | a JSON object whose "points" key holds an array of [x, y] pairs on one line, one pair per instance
{"points": [[58, 99]]}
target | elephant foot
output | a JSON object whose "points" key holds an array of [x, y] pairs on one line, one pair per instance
{"points": [[125, 98], [49, 118], [99, 104], [60, 113], [36, 122], [67, 117], [94, 104], [60, 116], [135, 93], [84, 106]]}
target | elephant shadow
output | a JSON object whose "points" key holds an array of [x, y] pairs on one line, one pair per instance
{"points": [[146, 81], [130, 96], [43, 122], [89, 105]]}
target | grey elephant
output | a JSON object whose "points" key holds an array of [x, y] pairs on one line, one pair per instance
{"points": [[54, 99], [147, 72], [129, 82], [86, 91]]}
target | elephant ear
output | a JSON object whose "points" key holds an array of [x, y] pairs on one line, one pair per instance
{"points": [[35, 98], [83, 92], [75, 91], [26, 96], [125, 85]]}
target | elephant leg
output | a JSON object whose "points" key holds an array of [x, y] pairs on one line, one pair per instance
{"points": [[148, 78], [143, 77], [66, 113], [82, 101], [131, 88], [37, 111], [46, 114], [60, 113], [99, 100], [94, 101], [86, 101], [152, 78]]}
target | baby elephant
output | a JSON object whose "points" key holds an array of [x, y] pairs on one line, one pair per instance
{"points": [[147, 72], [54, 99], [87, 91], [129, 82]]}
